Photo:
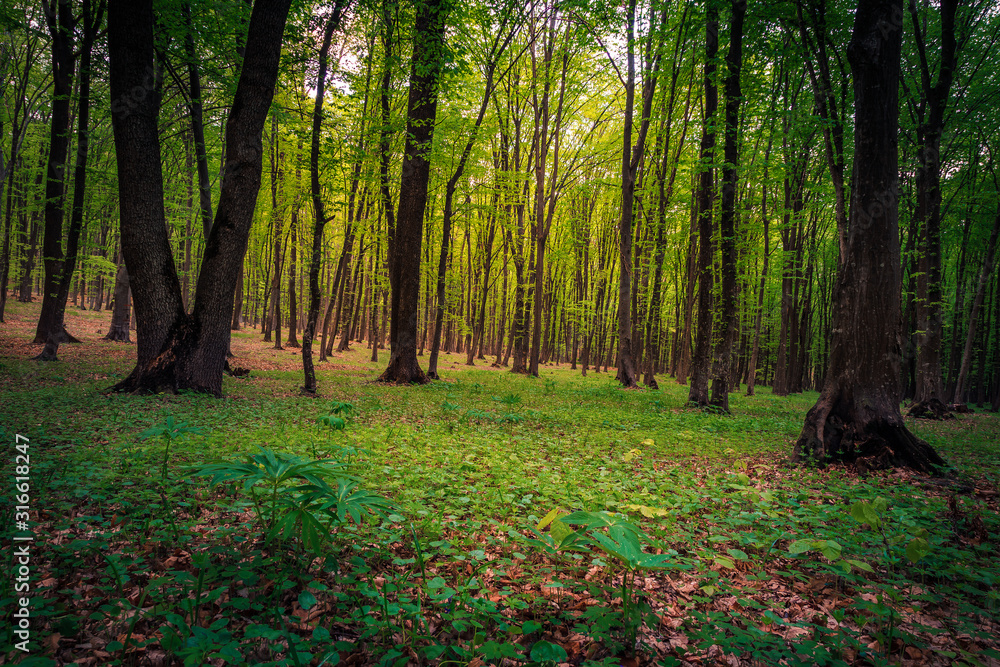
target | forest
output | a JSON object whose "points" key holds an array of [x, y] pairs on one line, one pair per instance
{"points": [[505, 332]]}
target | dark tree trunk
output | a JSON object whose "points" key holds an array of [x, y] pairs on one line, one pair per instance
{"points": [[934, 101], [59, 15], [404, 250], [197, 123], [724, 371], [121, 314], [632, 156], [177, 351], [857, 417], [701, 364], [977, 302], [57, 327]]}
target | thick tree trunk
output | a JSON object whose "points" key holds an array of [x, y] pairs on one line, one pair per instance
{"points": [[857, 417], [177, 351], [404, 252]]}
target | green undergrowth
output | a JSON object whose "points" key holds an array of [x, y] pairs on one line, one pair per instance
{"points": [[486, 519]]}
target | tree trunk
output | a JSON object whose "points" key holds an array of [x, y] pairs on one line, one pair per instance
{"points": [[977, 302], [701, 364], [120, 315], [724, 371], [59, 16], [857, 417], [404, 250], [309, 384], [177, 351], [934, 101], [56, 332]]}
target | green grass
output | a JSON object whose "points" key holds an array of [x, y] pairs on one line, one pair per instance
{"points": [[471, 465]]}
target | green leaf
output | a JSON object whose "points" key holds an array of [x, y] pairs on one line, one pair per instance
{"points": [[727, 563], [917, 549], [306, 600], [549, 518], [544, 651], [861, 565], [737, 554], [830, 549], [800, 546]]}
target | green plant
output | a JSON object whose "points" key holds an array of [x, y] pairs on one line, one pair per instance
{"points": [[616, 537], [170, 430], [298, 496]]}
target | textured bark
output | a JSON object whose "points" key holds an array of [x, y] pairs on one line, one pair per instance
{"points": [[60, 19], [57, 328], [177, 351], [933, 103], [857, 417], [121, 314], [724, 371], [701, 363], [404, 251]]}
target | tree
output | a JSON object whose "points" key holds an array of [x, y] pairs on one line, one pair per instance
{"points": [[56, 327], [60, 20], [857, 417], [176, 350], [404, 240], [315, 258], [723, 379], [700, 365], [631, 159]]}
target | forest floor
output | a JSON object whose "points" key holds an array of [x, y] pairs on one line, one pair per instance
{"points": [[558, 520]]}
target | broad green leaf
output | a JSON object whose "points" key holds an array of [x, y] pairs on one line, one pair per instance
{"points": [[830, 549], [306, 600], [917, 548], [544, 651], [861, 565], [800, 546]]}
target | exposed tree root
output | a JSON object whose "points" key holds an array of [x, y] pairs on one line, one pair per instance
{"points": [[880, 443], [931, 408]]}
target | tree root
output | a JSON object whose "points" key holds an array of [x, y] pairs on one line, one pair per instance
{"points": [[931, 408]]}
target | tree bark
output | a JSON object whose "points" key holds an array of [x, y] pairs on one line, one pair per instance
{"points": [[857, 417], [934, 101], [309, 372], [57, 327], [121, 314], [701, 363], [177, 351], [404, 251], [724, 372], [59, 16]]}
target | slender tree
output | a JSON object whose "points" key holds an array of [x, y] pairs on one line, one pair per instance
{"points": [[404, 248]]}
